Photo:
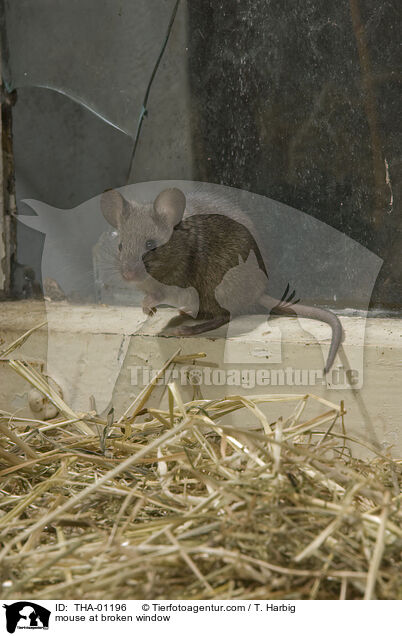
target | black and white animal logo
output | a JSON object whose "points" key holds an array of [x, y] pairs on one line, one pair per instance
{"points": [[26, 615]]}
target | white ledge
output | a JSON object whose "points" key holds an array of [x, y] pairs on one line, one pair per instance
{"points": [[95, 350]]}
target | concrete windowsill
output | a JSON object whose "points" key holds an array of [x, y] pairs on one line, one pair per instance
{"points": [[92, 349]]}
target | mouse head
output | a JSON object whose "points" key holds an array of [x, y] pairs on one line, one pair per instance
{"points": [[142, 227]]}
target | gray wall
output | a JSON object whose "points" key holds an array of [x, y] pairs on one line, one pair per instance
{"points": [[300, 101], [81, 69], [295, 101]]}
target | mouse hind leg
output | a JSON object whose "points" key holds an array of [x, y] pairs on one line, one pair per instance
{"points": [[176, 321], [194, 330]]}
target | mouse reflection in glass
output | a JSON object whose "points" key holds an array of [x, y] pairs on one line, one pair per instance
{"points": [[199, 255]]}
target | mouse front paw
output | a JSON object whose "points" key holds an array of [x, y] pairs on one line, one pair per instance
{"points": [[148, 305]]}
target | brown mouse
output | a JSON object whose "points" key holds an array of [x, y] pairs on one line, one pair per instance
{"points": [[199, 255]]}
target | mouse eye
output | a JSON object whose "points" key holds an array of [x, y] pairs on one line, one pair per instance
{"points": [[120, 246], [150, 244]]}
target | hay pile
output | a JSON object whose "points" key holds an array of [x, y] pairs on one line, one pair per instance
{"points": [[177, 504]]}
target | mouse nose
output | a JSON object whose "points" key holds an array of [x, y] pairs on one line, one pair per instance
{"points": [[128, 274], [133, 271]]}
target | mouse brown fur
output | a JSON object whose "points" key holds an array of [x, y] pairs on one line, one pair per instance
{"points": [[201, 256]]}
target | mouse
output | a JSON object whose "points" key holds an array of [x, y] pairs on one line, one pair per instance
{"points": [[198, 253]]}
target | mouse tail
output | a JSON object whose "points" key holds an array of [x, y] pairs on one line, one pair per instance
{"points": [[286, 308]]}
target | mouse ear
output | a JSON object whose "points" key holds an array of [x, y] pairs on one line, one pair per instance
{"points": [[114, 207], [170, 204]]}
